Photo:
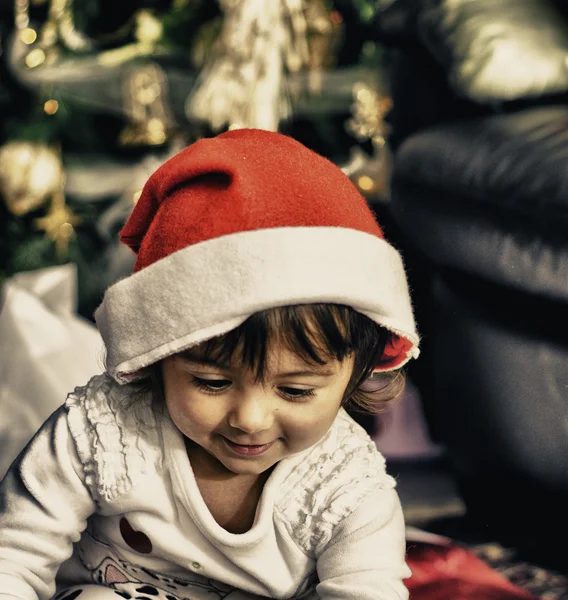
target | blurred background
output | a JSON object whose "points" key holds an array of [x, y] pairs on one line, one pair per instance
{"points": [[98, 93], [450, 116]]}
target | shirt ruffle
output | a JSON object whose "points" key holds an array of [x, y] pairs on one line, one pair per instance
{"points": [[117, 448], [330, 483], [102, 425]]}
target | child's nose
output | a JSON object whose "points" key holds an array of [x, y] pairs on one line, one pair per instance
{"points": [[252, 413]]}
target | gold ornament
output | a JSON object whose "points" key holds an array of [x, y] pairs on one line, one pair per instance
{"points": [[368, 112], [58, 31], [29, 174], [148, 31], [324, 32], [148, 28], [370, 173], [147, 108], [59, 223]]}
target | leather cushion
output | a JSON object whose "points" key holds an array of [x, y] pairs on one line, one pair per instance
{"points": [[489, 196], [498, 50]]}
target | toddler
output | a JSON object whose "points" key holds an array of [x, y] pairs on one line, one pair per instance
{"points": [[214, 458]]}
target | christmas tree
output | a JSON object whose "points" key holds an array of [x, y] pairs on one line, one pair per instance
{"points": [[96, 95]]}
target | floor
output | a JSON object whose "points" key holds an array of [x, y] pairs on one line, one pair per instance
{"points": [[427, 491]]}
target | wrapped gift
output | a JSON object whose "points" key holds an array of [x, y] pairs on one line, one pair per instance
{"points": [[45, 351], [442, 568]]}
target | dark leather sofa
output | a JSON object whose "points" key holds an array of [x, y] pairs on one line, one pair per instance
{"points": [[480, 199]]}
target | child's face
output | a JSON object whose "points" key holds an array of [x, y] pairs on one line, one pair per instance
{"points": [[218, 406]]}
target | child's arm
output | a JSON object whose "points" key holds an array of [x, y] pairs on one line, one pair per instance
{"points": [[44, 505], [365, 558]]}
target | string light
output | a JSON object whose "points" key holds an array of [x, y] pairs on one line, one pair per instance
{"points": [[51, 107], [365, 183], [35, 58], [28, 36]]}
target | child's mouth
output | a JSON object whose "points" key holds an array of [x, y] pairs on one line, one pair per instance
{"points": [[247, 450]]}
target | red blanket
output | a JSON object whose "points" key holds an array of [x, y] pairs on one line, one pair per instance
{"points": [[450, 572]]}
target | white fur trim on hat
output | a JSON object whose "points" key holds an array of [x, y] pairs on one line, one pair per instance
{"points": [[208, 289]]}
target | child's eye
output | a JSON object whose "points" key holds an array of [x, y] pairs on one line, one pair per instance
{"points": [[211, 385], [297, 393]]}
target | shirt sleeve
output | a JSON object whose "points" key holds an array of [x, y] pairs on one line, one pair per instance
{"points": [[44, 506], [365, 558]]}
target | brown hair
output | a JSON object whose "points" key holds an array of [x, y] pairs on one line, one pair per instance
{"points": [[316, 333]]}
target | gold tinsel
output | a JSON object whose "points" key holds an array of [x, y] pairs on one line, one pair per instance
{"points": [[59, 224]]}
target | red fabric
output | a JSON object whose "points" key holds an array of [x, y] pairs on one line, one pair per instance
{"points": [[245, 180], [453, 572], [241, 180], [396, 349]]}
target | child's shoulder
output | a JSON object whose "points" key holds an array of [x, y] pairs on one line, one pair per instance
{"points": [[333, 478], [345, 456], [102, 394], [115, 434], [103, 404]]}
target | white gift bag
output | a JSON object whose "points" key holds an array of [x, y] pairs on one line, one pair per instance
{"points": [[45, 351]]}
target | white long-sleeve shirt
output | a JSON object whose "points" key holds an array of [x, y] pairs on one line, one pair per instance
{"points": [[105, 494]]}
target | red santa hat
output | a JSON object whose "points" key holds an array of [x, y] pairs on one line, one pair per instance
{"points": [[240, 223]]}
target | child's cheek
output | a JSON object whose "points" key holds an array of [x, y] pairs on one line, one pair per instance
{"points": [[304, 430], [194, 417]]}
